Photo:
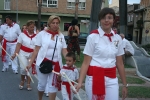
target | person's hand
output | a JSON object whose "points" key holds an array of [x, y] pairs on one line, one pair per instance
{"points": [[28, 67], [13, 56], [77, 87], [124, 92]]}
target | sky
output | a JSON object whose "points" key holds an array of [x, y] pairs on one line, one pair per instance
{"points": [[131, 1]]}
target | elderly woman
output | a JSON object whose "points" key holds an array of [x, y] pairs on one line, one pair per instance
{"points": [[25, 46], [48, 47]]}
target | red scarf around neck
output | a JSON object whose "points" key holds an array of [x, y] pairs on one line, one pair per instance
{"points": [[26, 33], [51, 32]]}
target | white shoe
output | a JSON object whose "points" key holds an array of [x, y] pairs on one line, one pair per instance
{"points": [[9, 63], [15, 71], [4, 69], [47, 95]]}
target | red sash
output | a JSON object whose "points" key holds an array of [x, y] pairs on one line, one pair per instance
{"points": [[4, 47], [55, 82], [98, 74], [26, 49], [68, 88]]}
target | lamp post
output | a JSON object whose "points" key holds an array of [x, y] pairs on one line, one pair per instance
{"points": [[16, 11], [39, 15], [76, 9]]}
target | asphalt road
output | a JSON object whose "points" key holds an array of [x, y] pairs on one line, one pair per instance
{"points": [[9, 89]]}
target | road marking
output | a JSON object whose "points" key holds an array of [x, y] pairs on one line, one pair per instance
{"points": [[57, 98]]}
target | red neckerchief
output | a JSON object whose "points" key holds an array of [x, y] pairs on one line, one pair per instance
{"points": [[109, 36], [68, 68], [50, 32], [26, 33]]}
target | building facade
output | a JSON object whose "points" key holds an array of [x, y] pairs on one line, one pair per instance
{"points": [[24, 10]]}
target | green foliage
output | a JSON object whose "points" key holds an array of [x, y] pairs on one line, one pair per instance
{"points": [[147, 48], [139, 23], [137, 92], [132, 80]]}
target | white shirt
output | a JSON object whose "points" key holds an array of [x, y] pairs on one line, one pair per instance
{"points": [[102, 51], [27, 42], [44, 40], [127, 46], [73, 75], [10, 33]]}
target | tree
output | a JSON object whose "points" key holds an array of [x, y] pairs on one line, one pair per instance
{"points": [[96, 7]]}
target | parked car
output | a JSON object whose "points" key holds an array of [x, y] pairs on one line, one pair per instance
{"points": [[82, 38]]}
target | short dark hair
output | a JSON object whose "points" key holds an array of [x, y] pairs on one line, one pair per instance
{"points": [[9, 17], [106, 11], [71, 54], [74, 22]]}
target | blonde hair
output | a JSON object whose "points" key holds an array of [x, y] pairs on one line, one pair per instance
{"points": [[51, 18]]}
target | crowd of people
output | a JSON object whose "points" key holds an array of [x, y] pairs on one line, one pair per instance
{"points": [[41, 53]]}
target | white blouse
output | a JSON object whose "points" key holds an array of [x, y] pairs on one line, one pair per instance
{"points": [[27, 42], [44, 40], [10, 33], [73, 75], [102, 51]]}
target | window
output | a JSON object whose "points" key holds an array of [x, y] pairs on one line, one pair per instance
{"points": [[7, 5], [49, 3], [71, 4], [128, 18]]}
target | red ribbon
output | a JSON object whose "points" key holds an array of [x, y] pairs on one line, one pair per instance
{"points": [[98, 73], [26, 33], [53, 33], [109, 36], [68, 68], [68, 88], [4, 47]]}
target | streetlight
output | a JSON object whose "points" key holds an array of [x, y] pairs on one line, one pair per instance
{"points": [[16, 11]]}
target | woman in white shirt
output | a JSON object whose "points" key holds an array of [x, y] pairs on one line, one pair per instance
{"points": [[102, 55], [25, 46], [44, 49]]}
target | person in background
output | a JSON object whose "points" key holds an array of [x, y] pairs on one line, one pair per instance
{"points": [[128, 49], [24, 28], [25, 46], [9, 34], [72, 72], [44, 49], [102, 55], [73, 43]]}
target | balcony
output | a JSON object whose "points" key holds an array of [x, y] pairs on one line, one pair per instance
{"points": [[7, 6]]}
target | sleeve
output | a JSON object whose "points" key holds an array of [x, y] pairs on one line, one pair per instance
{"points": [[120, 48], [89, 47], [76, 74], [64, 42], [19, 40], [18, 30], [1, 30], [39, 39]]}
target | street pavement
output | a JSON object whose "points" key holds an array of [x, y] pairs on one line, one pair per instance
{"points": [[9, 89]]}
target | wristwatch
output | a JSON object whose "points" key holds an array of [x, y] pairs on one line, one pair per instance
{"points": [[125, 85]]}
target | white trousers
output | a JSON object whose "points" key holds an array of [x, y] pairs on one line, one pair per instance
{"points": [[42, 81], [65, 94], [10, 48], [111, 88], [47, 87], [25, 60]]}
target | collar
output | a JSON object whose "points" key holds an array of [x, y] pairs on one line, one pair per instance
{"points": [[52, 33], [11, 25], [100, 30]]}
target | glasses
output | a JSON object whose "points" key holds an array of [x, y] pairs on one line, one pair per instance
{"points": [[108, 18]]}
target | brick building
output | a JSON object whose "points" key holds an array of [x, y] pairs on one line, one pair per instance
{"points": [[28, 10]]}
